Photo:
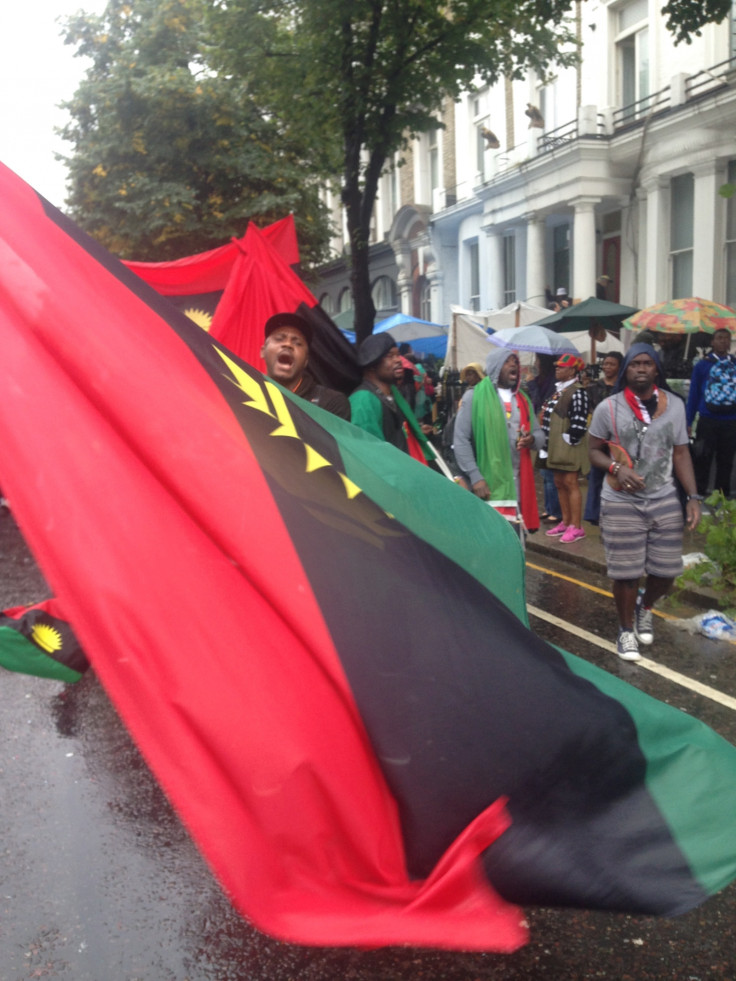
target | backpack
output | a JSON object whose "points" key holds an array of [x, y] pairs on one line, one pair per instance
{"points": [[720, 387]]}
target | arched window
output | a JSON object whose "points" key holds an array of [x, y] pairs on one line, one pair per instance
{"points": [[383, 293], [327, 303], [422, 299], [346, 300]]}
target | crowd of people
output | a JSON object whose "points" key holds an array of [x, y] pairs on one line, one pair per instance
{"points": [[647, 454]]}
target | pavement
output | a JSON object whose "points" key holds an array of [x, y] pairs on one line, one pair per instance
{"points": [[588, 553]]}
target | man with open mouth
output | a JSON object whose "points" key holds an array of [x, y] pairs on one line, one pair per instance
{"points": [[286, 353]]}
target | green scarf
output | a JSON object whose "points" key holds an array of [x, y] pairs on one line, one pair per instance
{"points": [[412, 422], [490, 436]]}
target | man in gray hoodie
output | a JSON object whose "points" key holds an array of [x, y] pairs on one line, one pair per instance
{"points": [[495, 431]]}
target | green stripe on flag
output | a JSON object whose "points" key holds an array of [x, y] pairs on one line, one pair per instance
{"points": [[681, 754], [17, 653], [421, 499]]}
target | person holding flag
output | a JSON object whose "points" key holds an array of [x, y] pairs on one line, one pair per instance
{"points": [[378, 406]]}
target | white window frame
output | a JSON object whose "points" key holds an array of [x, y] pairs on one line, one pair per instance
{"points": [[637, 32], [730, 241], [682, 239], [473, 254], [509, 268]]}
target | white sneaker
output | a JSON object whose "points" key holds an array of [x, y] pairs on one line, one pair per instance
{"points": [[643, 622], [627, 646]]}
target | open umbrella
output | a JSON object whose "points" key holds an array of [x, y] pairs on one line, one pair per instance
{"points": [[404, 327], [593, 315], [588, 314], [424, 336], [540, 340], [688, 315]]}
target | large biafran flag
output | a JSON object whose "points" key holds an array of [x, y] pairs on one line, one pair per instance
{"points": [[244, 572]]}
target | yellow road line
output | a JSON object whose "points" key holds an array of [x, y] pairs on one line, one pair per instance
{"points": [[645, 662], [586, 585]]}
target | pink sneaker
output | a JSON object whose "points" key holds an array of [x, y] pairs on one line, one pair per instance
{"points": [[559, 529], [572, 534]]}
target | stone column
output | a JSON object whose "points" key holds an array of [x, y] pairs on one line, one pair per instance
{"points": [[584, 249], [706, 253], [535, 280]]}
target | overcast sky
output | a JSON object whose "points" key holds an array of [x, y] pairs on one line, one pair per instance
{"points": [[37, 71]]}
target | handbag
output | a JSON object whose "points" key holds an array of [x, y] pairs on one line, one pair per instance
{"points": [[617, 453]]}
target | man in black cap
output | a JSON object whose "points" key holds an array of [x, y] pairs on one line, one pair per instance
{"points": [[286, 353], [377, 405]]}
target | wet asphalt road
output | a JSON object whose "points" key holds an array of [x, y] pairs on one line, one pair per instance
{"points": [[99, 882]]}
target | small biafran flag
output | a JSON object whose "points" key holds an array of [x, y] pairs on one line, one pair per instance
{"points": [[244, 572], [37, 640]]}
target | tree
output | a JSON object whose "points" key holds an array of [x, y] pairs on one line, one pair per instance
{"points": [[686, 17], [170, 158], [365, 77]]}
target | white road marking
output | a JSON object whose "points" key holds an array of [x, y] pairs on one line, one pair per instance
{"points": [[679, 679]]}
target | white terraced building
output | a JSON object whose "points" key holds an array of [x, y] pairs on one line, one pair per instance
{"points": [[612, 167]]}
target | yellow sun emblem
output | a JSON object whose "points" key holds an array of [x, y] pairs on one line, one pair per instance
{"points": [[48, 638], [200, 317]]}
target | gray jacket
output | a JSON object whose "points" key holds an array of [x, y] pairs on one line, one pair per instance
{"points": [[463, 435]]}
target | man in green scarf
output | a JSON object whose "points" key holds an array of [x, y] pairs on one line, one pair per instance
{"points": [[378, 406], [495, 431]]}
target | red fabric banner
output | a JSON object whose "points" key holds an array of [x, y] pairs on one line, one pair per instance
{"points": [[208, 272], [260, 284]]}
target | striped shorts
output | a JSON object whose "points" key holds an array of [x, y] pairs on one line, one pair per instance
{"points": [[643, 537]]}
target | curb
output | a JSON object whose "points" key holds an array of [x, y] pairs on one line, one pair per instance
{"points": [[590, 556]]}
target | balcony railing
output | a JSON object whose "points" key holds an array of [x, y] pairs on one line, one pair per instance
{"points": [[710, 79], [638, 111], [561, 136], [501, 162]]}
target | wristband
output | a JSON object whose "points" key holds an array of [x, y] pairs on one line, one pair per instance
{"points": [[695, 497]]}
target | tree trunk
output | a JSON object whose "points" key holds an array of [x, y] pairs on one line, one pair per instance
{"points": [[360, 282], [359, 199]]}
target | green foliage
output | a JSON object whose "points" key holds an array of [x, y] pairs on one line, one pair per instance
{"points": [[719, 574], [170, 158], [686, 17], [199, 114], [727, 190], [359, 79]]}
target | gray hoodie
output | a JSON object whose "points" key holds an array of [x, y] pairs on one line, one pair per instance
{"points": [[463, 436]]}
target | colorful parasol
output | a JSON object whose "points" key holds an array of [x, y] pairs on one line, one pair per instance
{"points": [[688, 315]]}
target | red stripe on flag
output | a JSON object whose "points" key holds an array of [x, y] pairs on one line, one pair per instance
{"points": [[154, 524]]}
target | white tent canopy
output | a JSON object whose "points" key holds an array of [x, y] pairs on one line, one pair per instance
{"points": [[468, 337]]}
